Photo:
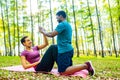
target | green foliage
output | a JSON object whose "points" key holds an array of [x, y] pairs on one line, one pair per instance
{"points": [[42, 17]]}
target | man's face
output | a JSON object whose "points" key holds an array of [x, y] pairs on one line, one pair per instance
{"points": [[59, 18], [28, 42]]}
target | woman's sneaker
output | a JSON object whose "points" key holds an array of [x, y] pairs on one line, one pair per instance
{"points": [[90, 68]]}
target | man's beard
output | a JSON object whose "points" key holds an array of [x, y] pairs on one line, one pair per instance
{"points": [[59, 21]]}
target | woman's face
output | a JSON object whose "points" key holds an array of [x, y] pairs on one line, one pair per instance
{"points": [[28, 42]]}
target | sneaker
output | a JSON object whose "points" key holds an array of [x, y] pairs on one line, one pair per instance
{"points": [[90, 68]]}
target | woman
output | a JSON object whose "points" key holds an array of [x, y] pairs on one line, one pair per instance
{"points": [[30, 57]]}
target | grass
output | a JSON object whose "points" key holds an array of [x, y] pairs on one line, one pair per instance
{"points": [[107, 68]]}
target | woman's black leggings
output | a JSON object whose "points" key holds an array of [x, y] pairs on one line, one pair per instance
{"points": [[48, 59]]}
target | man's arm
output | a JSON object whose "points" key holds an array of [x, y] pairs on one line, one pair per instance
{"points": [[51, 34], [48, 34]]}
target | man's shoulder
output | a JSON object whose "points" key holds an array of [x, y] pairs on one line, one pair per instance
{"points": [[66, 23]]}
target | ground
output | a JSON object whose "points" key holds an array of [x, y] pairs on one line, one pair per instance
{"points": [[107, 68]]}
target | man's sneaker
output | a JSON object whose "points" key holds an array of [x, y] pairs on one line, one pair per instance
{"points": [[90, 68]]}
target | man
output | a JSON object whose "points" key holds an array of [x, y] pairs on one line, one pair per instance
{"points": [[63, 32]]}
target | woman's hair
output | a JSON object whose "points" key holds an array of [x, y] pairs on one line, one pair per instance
{"points": [[62, 13], [23, 39]]}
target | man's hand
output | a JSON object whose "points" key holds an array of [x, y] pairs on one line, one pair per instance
{"points": [[42, 30], [48, 34]]}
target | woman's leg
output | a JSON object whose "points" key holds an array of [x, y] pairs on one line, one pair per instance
{"points": [[48, 59]]}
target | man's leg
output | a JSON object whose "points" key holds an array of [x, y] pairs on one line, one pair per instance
{"points": [[48, 59], [64, 62], [73, 69]]}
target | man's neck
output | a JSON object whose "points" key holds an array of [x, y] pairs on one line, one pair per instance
{"points": [[63, 20]]}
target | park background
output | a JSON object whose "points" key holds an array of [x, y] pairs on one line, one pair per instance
{"points": [[95, 25]]}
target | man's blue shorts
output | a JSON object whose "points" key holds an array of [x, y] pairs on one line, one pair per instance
{"points": [[64, 60]]}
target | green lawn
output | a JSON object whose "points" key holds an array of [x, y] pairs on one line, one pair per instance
{"points": [[107, 68]]}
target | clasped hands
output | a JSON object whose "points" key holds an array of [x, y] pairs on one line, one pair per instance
{"points": [[42, 30]]}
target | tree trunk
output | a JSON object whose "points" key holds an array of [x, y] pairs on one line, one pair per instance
{"points": [[10, 53], [31, 21], [118, 4], [17, 27], [85, 44], [66, 9], [39, 18], [92, 28], [3, 29], [113, 35], [100, 32], [14, 32], [23, 24], [76, 37], [51, 19]]}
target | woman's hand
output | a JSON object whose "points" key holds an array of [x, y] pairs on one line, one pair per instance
{"points": [[45, 43], [26, 64], [39, 61]]}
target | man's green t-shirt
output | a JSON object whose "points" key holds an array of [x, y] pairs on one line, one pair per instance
{"points": [[64, 37]]}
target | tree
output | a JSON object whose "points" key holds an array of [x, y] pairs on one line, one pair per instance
{"points": [[76, 37], [51, 19], [92, 28], [3, 28], [18, 27], [66, 9], [39, 3], [118, 18], [10, 53], [100, 32], [111, 21], [31, 21], [13, 23]]}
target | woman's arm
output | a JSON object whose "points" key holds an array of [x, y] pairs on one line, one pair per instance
{"points": [[44, 44], [26, 64]]}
